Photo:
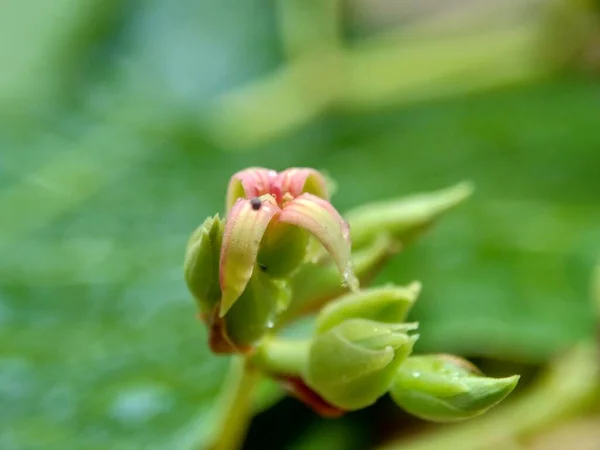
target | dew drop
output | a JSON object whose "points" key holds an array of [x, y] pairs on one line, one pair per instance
{"points": [[349, 280], [270, 324]]}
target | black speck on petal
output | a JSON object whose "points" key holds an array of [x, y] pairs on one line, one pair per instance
{"points": [[255, 203]]}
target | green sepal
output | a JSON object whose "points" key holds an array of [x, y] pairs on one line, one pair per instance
{"points": [[256, 310], [443, 388], [387, 304], [201, 265], [404, 218], [354, 363]]}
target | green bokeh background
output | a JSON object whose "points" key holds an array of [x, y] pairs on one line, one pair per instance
{"points": [[107, 165]]}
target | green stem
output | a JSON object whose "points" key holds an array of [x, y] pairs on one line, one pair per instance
{"points": [[235, 406], [282, 357]]}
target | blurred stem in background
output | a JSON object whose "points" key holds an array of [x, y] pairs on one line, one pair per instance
{"points": [[54, 38], [572, 35], [409, 65], [378, 72], [309, 26]]}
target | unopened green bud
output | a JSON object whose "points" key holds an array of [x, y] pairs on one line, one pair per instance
{"points": [[443, 388], [387, 304], [354, 363], [404, 218], [201, 266], [317, 282]]}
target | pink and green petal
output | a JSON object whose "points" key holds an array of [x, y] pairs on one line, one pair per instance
{"points": [[250, 183], [297, 181], [322, 220], [244, 229]]}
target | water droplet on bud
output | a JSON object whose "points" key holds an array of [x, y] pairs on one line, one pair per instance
{"points": [[349, 280]]}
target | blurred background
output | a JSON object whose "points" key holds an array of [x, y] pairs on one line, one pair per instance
{"points": [[121, 122]]}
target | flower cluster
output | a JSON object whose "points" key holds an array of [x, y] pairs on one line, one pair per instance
{"points": [[283, 251]]}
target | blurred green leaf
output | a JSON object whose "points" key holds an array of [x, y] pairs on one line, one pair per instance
{"points": [[93, 300], [99, 344]]}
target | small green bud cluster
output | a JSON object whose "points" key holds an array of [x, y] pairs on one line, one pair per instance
{"points": [[283, 252]]}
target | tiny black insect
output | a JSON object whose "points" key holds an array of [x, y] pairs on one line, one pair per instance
{"points": [[255, 203], [262, 267]]}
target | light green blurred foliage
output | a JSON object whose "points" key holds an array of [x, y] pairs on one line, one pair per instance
{"points": [[105, 167]]}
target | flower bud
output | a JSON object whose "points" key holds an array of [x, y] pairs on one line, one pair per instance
{"points": [[201, 266], [269, 220], [354, 363], [387, 304], [255, 310], [404, 218], [443, 388]]}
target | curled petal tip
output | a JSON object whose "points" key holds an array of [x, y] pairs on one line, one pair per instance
{"points": [[322, 220], [297, 181], [245, 226], [349, 278]]}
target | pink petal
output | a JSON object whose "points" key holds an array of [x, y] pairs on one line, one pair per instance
{"points": [[244, 229], [250, 183], [297, 181], [321, 219]]}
